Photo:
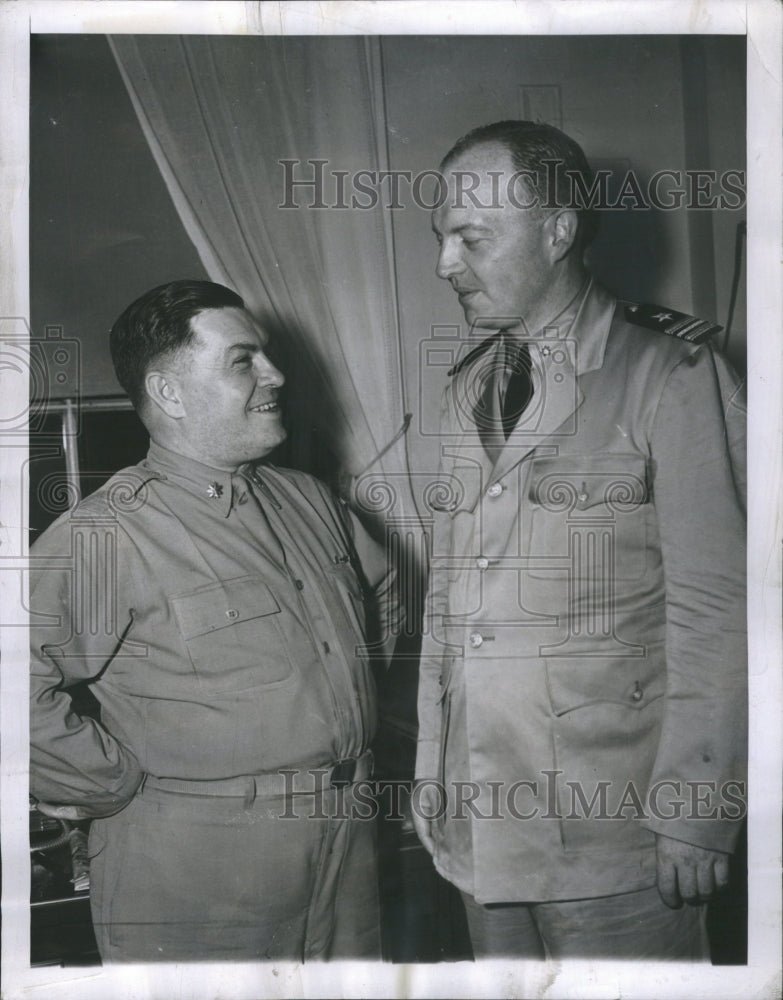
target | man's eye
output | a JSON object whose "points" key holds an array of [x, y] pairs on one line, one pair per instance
{"points": [[243, 361], [471, 244]]}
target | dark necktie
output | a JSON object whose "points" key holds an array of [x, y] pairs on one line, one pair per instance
{"points": [[519, 389]]}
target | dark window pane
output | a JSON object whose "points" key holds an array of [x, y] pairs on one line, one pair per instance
{"points": [[49, 492], [109, 441]]}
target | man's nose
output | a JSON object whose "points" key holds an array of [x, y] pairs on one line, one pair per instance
{"points": [[267, 374], [449, 260]]}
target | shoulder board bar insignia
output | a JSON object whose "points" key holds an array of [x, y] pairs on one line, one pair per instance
{"points": [[671, 322], [474, 353]]}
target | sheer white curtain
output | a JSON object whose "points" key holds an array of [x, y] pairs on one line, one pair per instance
{"points": [[220, 114]]}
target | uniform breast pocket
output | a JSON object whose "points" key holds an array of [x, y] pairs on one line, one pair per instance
{"points": [[589, 518], [233, 634]]}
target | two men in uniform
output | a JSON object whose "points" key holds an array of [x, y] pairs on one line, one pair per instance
{"points": [[582, 688]]}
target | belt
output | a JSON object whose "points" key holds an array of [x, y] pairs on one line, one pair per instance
{"points": [[286, 781]]}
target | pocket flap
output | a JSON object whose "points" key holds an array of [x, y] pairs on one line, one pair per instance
{"points": [[579, 482], [219, 605], [635, 682]]}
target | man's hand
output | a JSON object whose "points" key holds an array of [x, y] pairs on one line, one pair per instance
{"points": [[71, 813], [689, 873], [427, 805]]}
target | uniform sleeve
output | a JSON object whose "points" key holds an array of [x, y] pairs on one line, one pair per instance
{"points": [[698, 483], [735, 409], [431, 661], [76, 624]]}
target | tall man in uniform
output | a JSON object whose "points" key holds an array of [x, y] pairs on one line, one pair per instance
{"points": [[215, 605], [582, 702]]}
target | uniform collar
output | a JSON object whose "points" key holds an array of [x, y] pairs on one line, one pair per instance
{"points": [[585, 341], [210, 485], [590, 328], [560, 325], [584, 324]]}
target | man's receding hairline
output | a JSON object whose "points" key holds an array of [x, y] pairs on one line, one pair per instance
{"points": [[456, 154]]}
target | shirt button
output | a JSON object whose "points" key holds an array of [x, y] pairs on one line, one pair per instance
{"points": [[581, 497], [638, 694], [232, 613], [482, 562], [495, 490], [546, 351], [299, 585], [475, 639]]}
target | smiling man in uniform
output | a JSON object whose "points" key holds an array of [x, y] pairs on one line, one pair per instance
{"points": [[215, 605], [582, 706]]}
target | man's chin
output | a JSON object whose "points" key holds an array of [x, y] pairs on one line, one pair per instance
{"points": [[480, 321], [475, 316], [267, 446], [279, 439]]}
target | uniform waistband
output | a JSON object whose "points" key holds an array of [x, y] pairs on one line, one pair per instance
{"points": [[285, 781]]}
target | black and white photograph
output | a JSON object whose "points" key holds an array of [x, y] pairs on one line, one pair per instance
{"points": [[390, 473]]}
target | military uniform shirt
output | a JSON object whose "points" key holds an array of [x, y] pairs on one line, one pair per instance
{"points": [[586, 614], [220, 619]]}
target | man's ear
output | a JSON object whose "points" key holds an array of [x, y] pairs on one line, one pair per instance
{"points": [[563, 226], [164, 391]]}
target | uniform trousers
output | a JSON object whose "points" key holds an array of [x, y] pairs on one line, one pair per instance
{"points": [[632, 926], [177, 876]]}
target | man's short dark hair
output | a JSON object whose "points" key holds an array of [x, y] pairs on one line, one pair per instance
{"points": [[157, 324], [530, 145]]}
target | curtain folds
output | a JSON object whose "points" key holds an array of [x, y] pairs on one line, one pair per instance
{"points": [[220, 113]]}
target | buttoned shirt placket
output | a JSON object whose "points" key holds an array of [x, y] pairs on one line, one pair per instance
{"points": [[257, 513]]}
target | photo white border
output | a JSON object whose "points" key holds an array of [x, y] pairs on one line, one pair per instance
{"points": [[761, 977]]}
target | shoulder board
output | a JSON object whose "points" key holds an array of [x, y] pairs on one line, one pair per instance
{"points": [[474, 353], [671, 322]]}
